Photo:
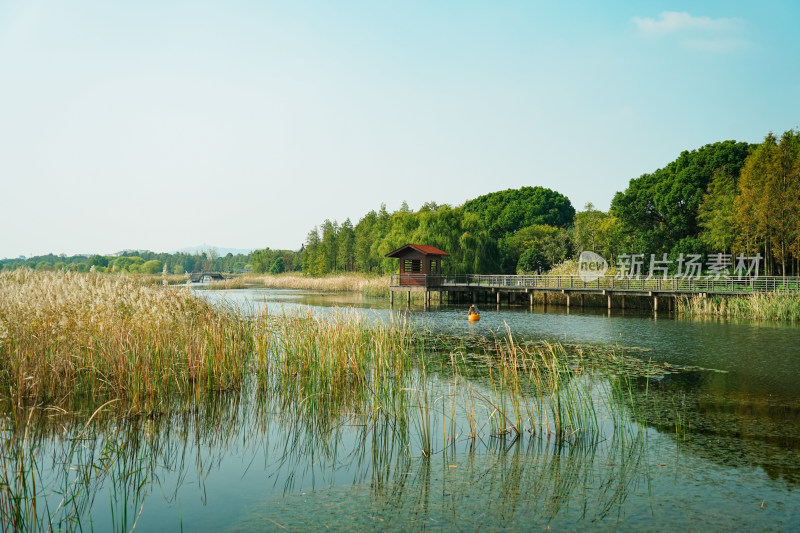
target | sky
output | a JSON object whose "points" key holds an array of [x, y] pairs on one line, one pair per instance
{"points": [[157, 125]]}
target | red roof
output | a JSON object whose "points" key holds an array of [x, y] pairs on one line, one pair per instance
{"points": [[421, 248]]}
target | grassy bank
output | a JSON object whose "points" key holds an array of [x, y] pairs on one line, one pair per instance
{"points": [[367, 285], [770, 306]]}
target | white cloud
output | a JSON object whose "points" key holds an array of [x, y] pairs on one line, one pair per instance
{"points": [[704, 34], [674, 22]]}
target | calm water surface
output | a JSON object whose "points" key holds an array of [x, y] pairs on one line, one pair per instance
{"points": [[720, 449]]}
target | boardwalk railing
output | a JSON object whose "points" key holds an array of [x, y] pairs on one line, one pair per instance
{"points": [[695, 284]]}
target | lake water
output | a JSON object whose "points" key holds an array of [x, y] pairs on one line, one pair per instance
{"points": [[720, 448]]}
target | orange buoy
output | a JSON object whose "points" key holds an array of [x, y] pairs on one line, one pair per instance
{"points": [[473, 317]]}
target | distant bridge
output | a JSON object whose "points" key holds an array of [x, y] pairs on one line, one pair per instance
{"points": [[481, 286], [205, 277]]}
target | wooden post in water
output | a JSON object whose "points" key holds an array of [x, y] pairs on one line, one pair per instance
{"points": [[498, 297], [623, 301], [391, 298], [408, 296], [530, 297], [582, 296], [567, 300], [655, 303], [544, 296], [609, 301]]}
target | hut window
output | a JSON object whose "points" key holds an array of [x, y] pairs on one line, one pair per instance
{"points": [[411, 266], [434, 266]]}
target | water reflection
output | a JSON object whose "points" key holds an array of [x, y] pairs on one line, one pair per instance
{"points": [[734, 429], [756, 356], [717, 450]]}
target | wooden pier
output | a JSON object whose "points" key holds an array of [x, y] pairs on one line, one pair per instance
{"points": [[474, 287]]}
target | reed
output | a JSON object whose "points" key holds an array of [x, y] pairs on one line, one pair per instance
{"points": [[65, 335], [768, 306], [228, 284], [367, 285], [535, 388]]}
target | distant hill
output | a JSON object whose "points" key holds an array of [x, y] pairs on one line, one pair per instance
{"points": [[220, 250]]}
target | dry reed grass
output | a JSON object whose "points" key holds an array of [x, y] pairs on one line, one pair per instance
{"points": [[369, 285], [63, 335]]}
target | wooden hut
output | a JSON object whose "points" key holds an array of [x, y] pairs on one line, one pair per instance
{"points": [[417, 262]]}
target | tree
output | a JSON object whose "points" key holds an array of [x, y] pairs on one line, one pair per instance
{"points": [[507, 211], [514, 245], [769, 199], [329, 247], [658, 210], [716, 214], [346, 247], [530, 260], [277, 267], [597, 231], [154, 266]]}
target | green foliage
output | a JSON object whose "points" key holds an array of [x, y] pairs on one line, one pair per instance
{"points": [[263, 261], [768, 204], [657, 210], [465, 233], [716, 214], [531, 259], [597, 231], [507, 211], [277, 267], [154, 266]]}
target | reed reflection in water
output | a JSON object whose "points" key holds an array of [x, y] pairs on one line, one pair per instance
{"points": [[215, 464]]}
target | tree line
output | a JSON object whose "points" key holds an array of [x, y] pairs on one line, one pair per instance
{"points": [[730, 198], [488, 234], [136, 262]]}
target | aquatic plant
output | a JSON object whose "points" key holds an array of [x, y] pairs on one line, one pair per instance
{"points": [[377, 286], [762, 306], [65, 335]]}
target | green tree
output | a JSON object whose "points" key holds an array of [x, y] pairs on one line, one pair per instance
{"points": [[658, 210], [278, 266], [154, 266], [769, 199], [597, 231], [716, 214], [507, 211], [530, 260], [346, 247]]}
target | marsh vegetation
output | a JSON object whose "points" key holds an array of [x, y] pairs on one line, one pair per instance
{"points": [[128, 405]]}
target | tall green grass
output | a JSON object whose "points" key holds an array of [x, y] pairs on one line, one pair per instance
{"points": [[769, 306]]}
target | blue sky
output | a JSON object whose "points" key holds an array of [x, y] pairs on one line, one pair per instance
{"points": [[158, 125]]}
